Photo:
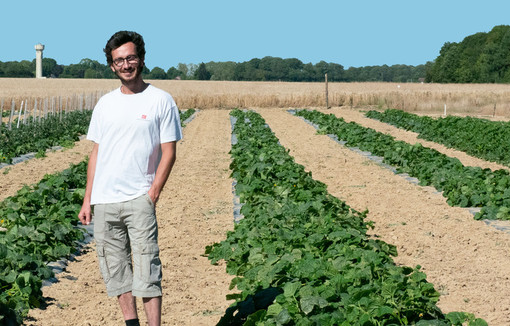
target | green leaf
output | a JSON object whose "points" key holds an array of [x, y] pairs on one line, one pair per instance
{"points": [[283, 317], [290, 288], [308, 303], [274, 309]]}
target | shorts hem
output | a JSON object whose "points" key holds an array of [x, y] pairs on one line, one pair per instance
{"points": [[116, 293], [147, 294]]}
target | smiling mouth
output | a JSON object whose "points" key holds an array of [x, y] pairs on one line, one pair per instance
{"points": [[128, 72]]}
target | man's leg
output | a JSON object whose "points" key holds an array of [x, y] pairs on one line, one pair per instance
{"points": [[127, 304], [114, 255], [143, 233], [153, 310]]}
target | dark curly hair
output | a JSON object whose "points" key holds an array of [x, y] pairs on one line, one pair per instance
{"points": [[120, 38]]}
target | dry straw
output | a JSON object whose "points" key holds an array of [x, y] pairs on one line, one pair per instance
{"points": [[476, 99]]}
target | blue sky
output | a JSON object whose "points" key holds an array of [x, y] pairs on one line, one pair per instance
{"points": [[351, 33]]}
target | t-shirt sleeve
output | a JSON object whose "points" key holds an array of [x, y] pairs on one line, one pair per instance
{"points": [[94, 132], [170, 123]]}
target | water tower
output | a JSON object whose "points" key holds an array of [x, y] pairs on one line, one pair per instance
{"points": [[38, 60]]}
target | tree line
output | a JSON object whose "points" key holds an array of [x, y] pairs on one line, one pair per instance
{"points": [[479, 58], [265, 69]]}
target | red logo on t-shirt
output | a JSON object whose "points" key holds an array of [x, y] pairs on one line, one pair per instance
{"points": [[144, 116]]}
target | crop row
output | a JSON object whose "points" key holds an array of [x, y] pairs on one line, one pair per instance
{"points": [[478, 137], [54, 130], [185, 115], [37, 226], [463, 186], [40, 227], [303, 257]]}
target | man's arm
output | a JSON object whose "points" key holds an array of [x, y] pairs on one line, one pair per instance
{"points": [[168, 155], [85, 212]]}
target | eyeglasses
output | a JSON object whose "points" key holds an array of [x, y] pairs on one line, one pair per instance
{"points": [[131, 59]]}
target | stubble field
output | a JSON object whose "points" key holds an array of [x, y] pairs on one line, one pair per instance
{"points": [[475, 99], [466, 260]]}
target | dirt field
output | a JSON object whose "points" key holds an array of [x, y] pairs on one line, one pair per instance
{"points": [[466, 260]]}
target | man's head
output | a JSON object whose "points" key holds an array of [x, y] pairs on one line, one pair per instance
{"points": [[125, 53], [120, 38]]}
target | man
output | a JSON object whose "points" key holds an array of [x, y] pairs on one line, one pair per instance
{"points": [[135, 129]]}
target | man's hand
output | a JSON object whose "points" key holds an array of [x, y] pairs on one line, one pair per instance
{"points": [[166, 163], [153, 195], [85, 214]]}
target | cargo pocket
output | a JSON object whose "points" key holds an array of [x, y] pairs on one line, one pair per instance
{"points": [[150, 264], [103, 265]]}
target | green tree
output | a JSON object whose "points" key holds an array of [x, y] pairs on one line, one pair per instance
{"points": [[91, 73], [48, 67], [173, 73], [221, 70], [481, 58], [74, 71], [184, 69], [146, 73], [201, 73], [158, 73], [19, 69]]}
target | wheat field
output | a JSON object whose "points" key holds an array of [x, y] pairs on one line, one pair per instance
{"points": [[473, 99]]}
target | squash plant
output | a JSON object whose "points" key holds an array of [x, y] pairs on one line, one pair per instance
{"points": [[303, 257]]}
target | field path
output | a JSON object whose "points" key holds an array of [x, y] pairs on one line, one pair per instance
{"points": [[466, 260], [194, 210], [410, 137], [13, 177]]}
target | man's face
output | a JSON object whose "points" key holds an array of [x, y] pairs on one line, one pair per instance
{"points": [[126, 64]]}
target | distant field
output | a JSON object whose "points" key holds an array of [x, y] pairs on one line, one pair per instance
{"points": [[477, 99]]}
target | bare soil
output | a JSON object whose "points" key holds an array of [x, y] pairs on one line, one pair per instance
{"points": [[13, 177], [466, 260]]}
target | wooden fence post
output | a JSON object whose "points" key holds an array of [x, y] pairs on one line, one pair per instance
{"points": [[34, 114], [19, 115], [327, 95], [13, 105]]}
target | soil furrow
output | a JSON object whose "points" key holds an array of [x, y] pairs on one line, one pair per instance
{"points": [[13, 177]]}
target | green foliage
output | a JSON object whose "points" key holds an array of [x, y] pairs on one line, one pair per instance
{"points": [[265, 69], [303, 257], [201, 73], [38, 136], [479, 58], [463, 186], [221, 70], [173, 73], [477, 137], [185, 115], [157, 73], [50, 68], [17, 69], [41, 227], [86, 68]]}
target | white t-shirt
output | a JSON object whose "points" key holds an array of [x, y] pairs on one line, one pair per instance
{"points": [[129, 130]]}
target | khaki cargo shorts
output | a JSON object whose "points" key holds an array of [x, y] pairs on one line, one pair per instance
{"points": [[126, 235]]}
